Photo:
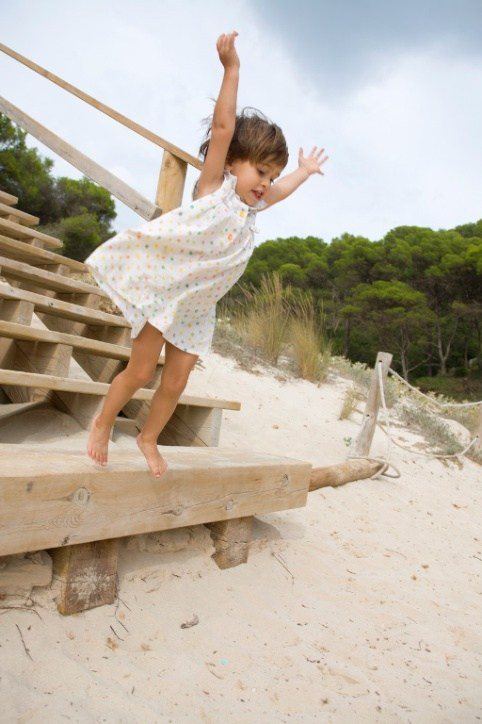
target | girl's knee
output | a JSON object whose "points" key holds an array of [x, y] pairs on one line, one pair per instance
{"points": [[174, 381], [139, 375]]}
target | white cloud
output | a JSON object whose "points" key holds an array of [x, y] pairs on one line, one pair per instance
{"points": [[404, 147]]}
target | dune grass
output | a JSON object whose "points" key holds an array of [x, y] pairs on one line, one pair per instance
{"points": [[274, 320]]}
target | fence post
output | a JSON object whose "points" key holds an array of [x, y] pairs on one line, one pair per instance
{"points": [[365, 436], [478, 444], [171, 182]]}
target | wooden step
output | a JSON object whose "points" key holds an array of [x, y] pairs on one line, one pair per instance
{"points": [[31, 236], [8, 199], [39, 278], [20, 217], [61, 309], [34, 255], [50, 499], [69, 384], [25, 333]]}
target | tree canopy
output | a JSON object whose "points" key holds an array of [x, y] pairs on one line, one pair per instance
{"points": [[416, 292], [78, 212]]}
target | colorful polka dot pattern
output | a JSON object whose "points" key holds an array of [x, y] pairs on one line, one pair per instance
{"points": [[172, 270]]}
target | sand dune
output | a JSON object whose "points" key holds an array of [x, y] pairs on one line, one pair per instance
{"points": [[363, 606]]}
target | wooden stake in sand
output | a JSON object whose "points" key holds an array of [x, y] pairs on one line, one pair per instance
{"points": [[365, 437]]}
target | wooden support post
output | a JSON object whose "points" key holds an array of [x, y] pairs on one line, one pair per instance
{"points": [[365, 437], [478, 444], [88, 575], [171, 182], [231, 540]]}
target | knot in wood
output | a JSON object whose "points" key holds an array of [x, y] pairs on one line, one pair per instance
{"points": [[81, 496]]}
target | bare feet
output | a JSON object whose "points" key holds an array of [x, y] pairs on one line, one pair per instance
{"points": [[98, 442], [157, 464]]}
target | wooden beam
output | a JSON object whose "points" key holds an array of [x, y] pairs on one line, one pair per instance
{"points": [[365, 436], [54, 498], [231, 540], [43, 279], [21, 216], [105, 109], [25, 234], [347, 472], [8, 199], [18, 249], [88, 387], [87, 573], [69, 310], [170, 186], [90, 168]]}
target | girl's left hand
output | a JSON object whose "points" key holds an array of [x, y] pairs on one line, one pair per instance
{"points": [[313, 162]]}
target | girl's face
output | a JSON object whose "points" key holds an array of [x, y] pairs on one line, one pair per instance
{"points": [[253, 179]]}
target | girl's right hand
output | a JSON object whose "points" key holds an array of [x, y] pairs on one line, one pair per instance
{"points": [[226, 50]]}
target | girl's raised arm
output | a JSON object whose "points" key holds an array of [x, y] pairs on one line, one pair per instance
{"points": [[212, 174]]}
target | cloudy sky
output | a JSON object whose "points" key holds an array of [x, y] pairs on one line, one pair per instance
{"points": [[392, 90]]}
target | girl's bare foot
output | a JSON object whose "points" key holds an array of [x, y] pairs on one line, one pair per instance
{"points": [[157, 464], [98, 442]]}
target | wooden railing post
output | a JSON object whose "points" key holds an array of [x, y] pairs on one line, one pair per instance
{"points": [[171, 182], [478, 444], [365, 436]]}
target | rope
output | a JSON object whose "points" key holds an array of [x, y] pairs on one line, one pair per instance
{"points": [[430, 399], [388, 431], [426, 455], [385, 462]]}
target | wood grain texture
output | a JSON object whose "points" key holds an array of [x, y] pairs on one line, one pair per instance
{"points": [[21, 217], [8, 199], [90, 168], [231, 540], [88, 575], [87, 387], [18, 249], [50, 499], [104, 108], [365, 436]]}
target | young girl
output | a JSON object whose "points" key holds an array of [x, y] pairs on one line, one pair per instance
{"points": [[167, 276]]}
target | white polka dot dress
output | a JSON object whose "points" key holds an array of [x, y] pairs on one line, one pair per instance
{"points": [[171, 271]]}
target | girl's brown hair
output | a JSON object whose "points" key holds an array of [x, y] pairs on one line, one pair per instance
{"points": [[255, 139]]}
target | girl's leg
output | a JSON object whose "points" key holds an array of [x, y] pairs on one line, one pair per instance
{"points": [[146, 348], [175, 374]]}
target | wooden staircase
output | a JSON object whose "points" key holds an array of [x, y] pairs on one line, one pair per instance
{"points": [[35, 362]]}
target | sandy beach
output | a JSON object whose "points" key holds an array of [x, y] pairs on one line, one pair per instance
{"points": [[364, 606]]}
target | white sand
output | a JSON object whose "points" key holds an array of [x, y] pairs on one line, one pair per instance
{"points": [[365, 606]]}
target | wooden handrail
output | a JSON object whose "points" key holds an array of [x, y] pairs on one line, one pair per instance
{"points": [[90, 168], [119, 117]]}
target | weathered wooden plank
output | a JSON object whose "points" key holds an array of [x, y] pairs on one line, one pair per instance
{"points": [[231, 540], [16, 249], [21, 216], [90, 168], [87, 573], [19, 311], [171, 182], [191, 426], [18, 231], [347, 472], [367, 430], [87, 345], [104, 108], [87, 387], [43, 279], [50, 499], [62, 309], [8, 199]]}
